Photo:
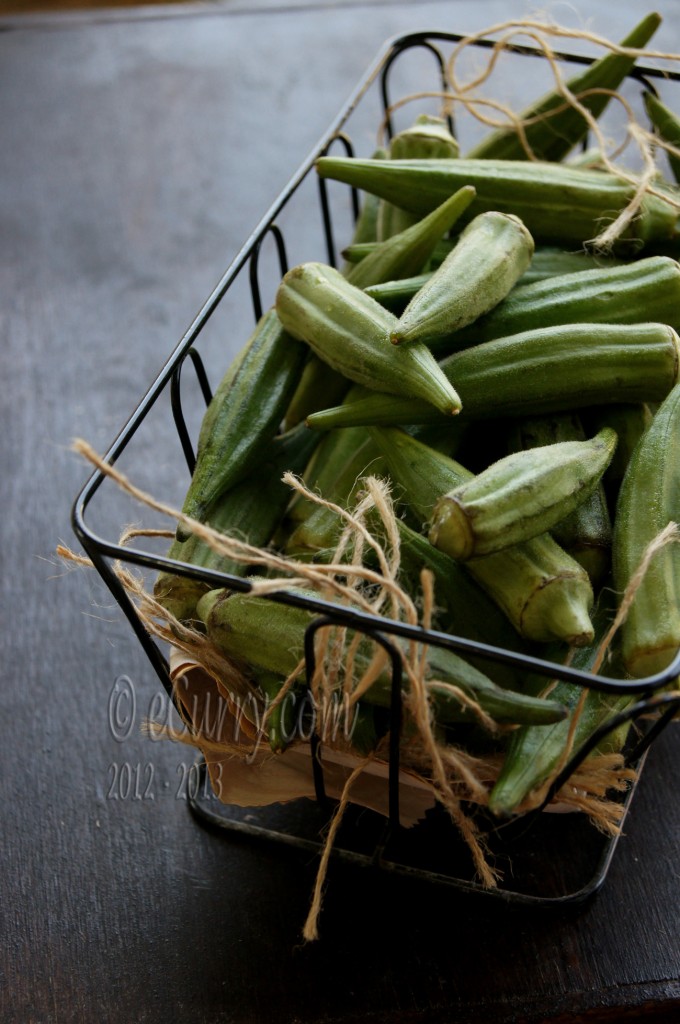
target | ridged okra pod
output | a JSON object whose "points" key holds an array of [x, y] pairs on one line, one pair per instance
{"points": [[237, 622], [552, 369], [626, 294], [648, 501], [250, 511], [407, 252], [551, 126], [428, 138], [558, 204], [519, 497], [545, 594], [351, 331], [667, 125], [490, 256], [317, 378], [534, 754], [586, 533], [244, 414]]}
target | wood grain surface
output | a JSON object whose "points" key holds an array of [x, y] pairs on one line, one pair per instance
{"points": [[135, 157]]}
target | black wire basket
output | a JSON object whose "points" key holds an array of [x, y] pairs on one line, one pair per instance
{"points": [[548, 859]]}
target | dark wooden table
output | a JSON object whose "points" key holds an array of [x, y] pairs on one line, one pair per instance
{"points": [[137, 151]]}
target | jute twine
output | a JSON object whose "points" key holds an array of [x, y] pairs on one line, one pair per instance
{"points": [[495, 114], [456, 776]]}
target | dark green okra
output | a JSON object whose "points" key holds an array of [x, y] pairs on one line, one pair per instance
{"points": [[237, 622], [250, 511], [558, 204], [624, 294], [552, 128], [648, 501], [534, 754], [244, 414], [552, 369]]}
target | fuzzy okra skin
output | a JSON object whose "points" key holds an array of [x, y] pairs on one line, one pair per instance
{"points": [[491, 254], [350, 331], [519, 497], [237, 623], [544, 592], [546, 370], [555, 126], [244, 414], [558, 204], [649, 500]]}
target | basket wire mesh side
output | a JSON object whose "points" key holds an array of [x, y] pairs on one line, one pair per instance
{"points": [[532, 847]]}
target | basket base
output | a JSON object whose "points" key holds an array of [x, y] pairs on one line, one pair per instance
{"points": [[544, 859]]}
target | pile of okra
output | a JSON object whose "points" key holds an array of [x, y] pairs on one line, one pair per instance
{"points": [[517, 389]]}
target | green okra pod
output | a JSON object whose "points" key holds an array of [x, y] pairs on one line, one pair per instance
{"points": [[558, 204], [250, 511], [534, 754], [586, 533], [667, 125], [237, 623], [624, 294], [244, 414], [552, 369], [519, 497], [544, 592], [427, 138], [649, 500], [350, 331], [546, 262], [490, 256], [407, 252], [551, 126]]}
